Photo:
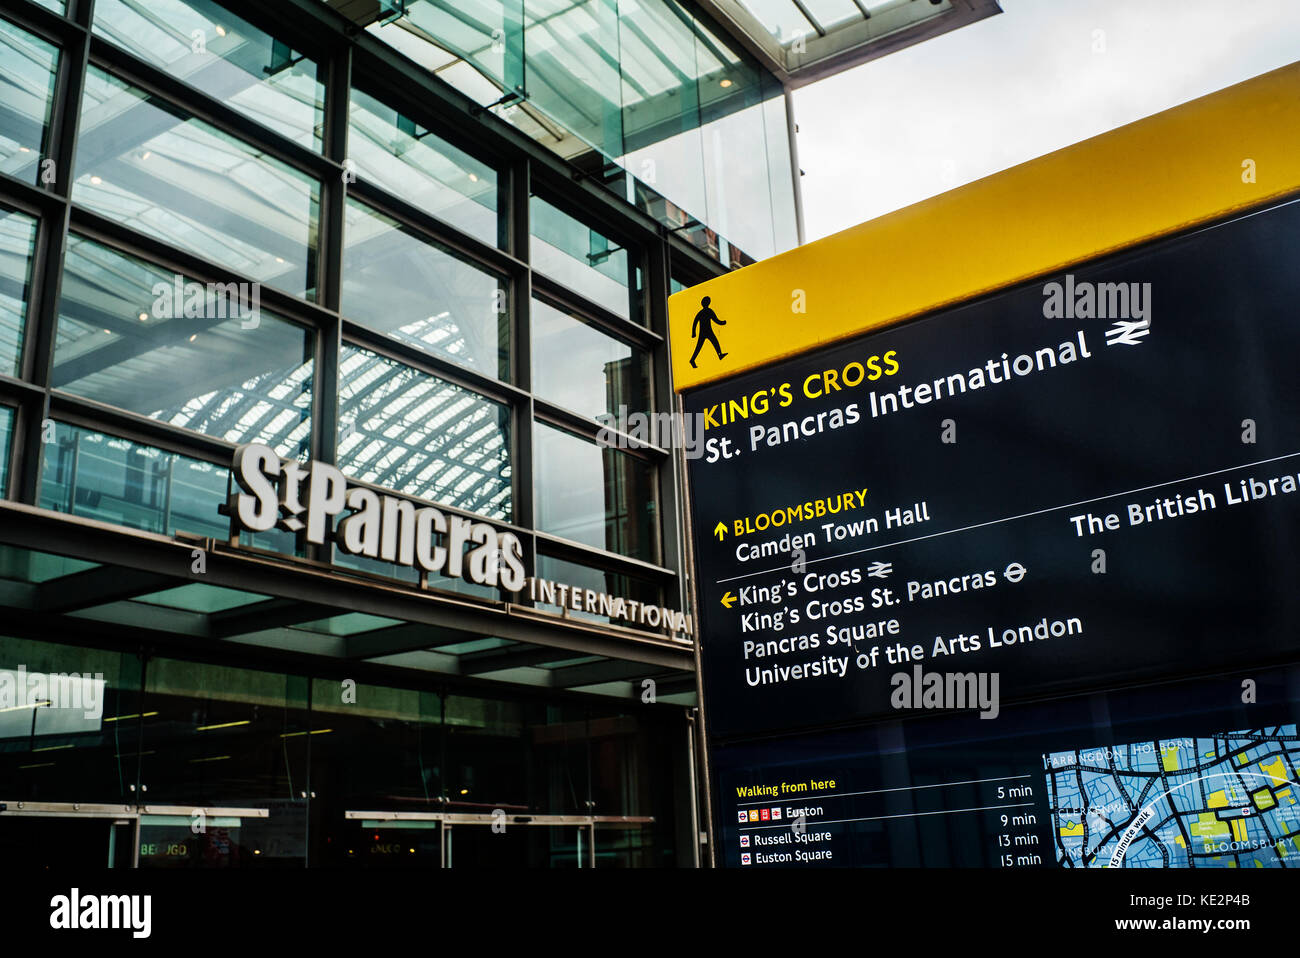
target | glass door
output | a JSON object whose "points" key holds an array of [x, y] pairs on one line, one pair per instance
{"points": [[47, 836], [538, 843]]}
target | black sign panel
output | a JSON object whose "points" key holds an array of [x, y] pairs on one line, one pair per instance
{"points": [[1090, 479]]}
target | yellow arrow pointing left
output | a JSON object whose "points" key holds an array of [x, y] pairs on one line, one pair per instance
{"points": [[728, 599]]}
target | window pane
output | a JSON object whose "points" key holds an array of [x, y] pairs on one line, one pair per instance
{"points": [[238, 64], [145, 164], [585, 369], [68, 753], [393, 151], [600, 497], [27, 69], [409, 431], [221, 735], [422, 294], [585, 261], [209, 360], [115, 480], [17, 240], [6, 434]]}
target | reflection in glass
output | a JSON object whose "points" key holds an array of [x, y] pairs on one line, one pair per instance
{"points": [[584, 260], [115, 480], [6, 433], [393, 151], [147, 165], [420, 293], [240, 379], [238, 64], [585, 369], [600, 497], [67, 744], [17, 240], [411, 431], [27, 69], [215, 735]]}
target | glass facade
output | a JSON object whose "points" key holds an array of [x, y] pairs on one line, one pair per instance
{"points": [[224, 55], [598, 496], [579, 366], [422, 435], [240, 377], [27, 95], [393, 151], [266, 231], [6, 434], [651, 89], [146, 164], [17, 241], [417, 291], [288, 763]]}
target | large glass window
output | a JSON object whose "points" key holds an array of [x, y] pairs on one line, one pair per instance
{"points": [[225, 57], [27, 69], [202, 356], [410, 431], [584, 260], [17, 240], [421, 293], [147, 165], [393, 151], [597, 496], [583, 368]]}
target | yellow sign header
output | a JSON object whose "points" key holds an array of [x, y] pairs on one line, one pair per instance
{"points": [[1218, 155]]}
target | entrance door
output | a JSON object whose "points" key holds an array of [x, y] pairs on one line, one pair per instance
{"points": [[47, 836], [184, 836], [464, 840], [515, 843]]}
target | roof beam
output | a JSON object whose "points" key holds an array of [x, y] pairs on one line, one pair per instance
{"points": [[270, 614], [99, 586], [497, 660]]}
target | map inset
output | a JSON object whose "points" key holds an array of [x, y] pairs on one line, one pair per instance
{"points": [[1227, 801]]}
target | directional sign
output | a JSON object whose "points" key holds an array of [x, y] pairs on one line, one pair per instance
{"points": [[1008, 488], [1026, 452]]}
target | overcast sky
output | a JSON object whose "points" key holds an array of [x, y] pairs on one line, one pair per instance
{"points": [[1026, 82]]}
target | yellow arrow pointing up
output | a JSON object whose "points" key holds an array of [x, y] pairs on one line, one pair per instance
{"points": [[728, 599], [720, 530]]}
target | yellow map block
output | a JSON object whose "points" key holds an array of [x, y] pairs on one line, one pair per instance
{"points": [[1208, 826], [1263, 799], [1276, 770]]}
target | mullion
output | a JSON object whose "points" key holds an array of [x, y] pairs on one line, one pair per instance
{"points": [[47, 267]]}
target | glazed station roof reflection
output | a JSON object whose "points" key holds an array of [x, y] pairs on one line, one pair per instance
{"points": [[806, 40]]}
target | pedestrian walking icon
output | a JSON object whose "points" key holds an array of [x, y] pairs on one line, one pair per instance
{"points": [[702, 328]]}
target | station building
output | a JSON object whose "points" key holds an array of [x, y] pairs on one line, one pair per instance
{"points": [[264, 265]]}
